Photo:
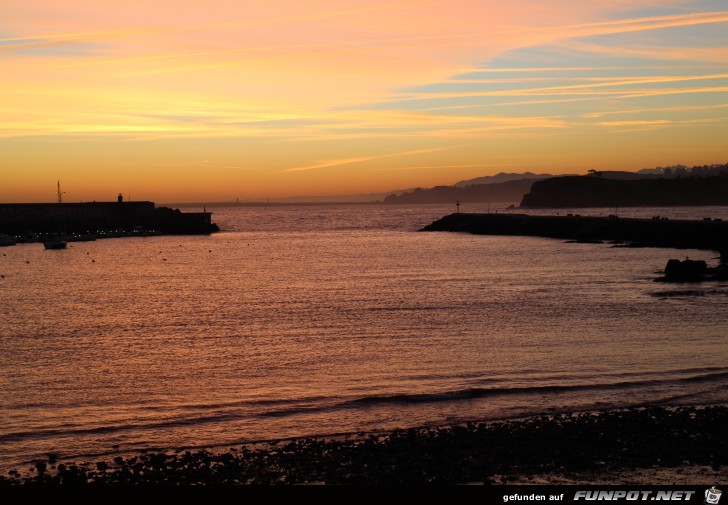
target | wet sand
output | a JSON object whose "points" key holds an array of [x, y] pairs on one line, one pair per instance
{"points": [[651, 445]]}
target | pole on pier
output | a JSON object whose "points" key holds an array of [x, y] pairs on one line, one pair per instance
{"points": [[59, 194]]}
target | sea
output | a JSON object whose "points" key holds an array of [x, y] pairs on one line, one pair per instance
{"points": [[339, 319]]}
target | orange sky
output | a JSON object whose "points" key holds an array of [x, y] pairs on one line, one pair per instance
{"points": [[209, 101]]}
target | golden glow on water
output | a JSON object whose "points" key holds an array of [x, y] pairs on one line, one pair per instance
{"points": [[300, 321]]}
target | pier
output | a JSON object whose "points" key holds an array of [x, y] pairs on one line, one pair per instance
{"points": [[90, 217], [710, 234]]}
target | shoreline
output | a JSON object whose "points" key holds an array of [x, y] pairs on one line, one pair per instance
{"points": [[653, 444]]}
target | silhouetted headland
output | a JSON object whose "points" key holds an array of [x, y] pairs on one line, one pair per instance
{"points": [[101, 219], [681, 234], [508, 191], [596, 191], [582, 447]]}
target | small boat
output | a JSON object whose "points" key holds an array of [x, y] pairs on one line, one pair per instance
{"points": [[5, 240], [55, 243]]}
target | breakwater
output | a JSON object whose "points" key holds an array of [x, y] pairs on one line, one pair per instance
{"points": [[681, 234], [39, 218]]}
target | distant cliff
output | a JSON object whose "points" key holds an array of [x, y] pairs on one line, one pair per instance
{"points": [[501, 177], [510, 191], [594, 191]]}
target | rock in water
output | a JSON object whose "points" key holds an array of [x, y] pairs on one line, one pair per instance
{"points": [[688, 270]]}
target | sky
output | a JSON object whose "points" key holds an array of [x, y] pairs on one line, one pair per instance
{"points": [[222, 99]]}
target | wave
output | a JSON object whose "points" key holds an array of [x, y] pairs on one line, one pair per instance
{"points": [[476, 393], [97, 430], [317, 404]]}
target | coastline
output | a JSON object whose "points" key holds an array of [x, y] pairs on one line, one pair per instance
{"points": [[647, 445]]}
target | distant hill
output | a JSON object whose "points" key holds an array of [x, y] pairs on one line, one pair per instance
{"points": [[591, 191], [501, 177], [504, 192]]}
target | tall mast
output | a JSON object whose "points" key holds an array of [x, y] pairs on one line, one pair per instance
{"points": [[60, 198]]}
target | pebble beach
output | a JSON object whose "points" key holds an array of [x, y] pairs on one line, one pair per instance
{"points": [[652, 445]]}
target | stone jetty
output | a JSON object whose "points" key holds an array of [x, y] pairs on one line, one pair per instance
{"points": [[709, 234]]}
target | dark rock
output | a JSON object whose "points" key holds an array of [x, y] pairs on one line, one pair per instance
{"points": [[687, 270]]}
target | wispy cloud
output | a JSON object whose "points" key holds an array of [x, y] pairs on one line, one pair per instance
{"points": [[674, 91], [634, 123], [509, 70], [624, 26], [348, 161], [677, 54], [24, 41], [655, 109], [174, 56], [429, 167], [574, 88], [647, 125]]}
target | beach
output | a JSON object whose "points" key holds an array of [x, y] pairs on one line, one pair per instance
{"points": [[650, 445]]}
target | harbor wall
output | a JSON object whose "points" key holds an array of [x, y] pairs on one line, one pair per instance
{"points": [[23, 218]]}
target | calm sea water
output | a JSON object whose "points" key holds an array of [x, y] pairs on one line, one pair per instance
{"points": [[324, 320]]}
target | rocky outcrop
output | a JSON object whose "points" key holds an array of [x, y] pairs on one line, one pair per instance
{"points": [[688, 270], [692, 271]]}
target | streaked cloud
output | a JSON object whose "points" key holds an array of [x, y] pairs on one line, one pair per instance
{"points": [[19, 42], [348, 161], [656, 109], [440, 167]]}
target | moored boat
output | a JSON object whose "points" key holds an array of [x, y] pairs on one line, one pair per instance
{"points": [[55, 243], [6, 240]]}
